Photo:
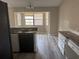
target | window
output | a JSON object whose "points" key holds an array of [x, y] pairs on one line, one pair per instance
{"points": [[28, 20], [38, 19], [35, 19]]}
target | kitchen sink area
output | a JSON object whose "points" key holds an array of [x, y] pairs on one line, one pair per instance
{"points": [[69, 44], [23, 40]]}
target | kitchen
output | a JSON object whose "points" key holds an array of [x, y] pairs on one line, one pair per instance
{"points": [[53, 31], [34, 22]]}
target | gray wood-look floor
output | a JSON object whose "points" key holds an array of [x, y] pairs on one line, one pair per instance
{"points": [[46, 48]]}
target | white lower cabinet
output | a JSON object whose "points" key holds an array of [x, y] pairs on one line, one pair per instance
{"points": [[61, 42], [15, 42]]}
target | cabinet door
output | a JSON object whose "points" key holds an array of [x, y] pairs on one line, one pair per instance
{"points": [[61, 42], [15, 42], [26, 41]]}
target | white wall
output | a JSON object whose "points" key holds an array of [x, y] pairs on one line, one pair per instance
{"points": [[15, 42], [69, 16]]}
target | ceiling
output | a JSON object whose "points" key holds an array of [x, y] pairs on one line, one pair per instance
{"points": [[36, 3]]}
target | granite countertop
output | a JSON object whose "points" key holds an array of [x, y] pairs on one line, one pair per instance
{"points": [[23, 30], [71, 36]]}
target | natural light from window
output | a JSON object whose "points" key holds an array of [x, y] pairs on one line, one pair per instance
{"points": [[30, 18], [38, 19], [35, 19]]}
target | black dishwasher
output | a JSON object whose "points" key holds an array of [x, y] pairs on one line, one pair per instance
{"points": [[26, 42]]}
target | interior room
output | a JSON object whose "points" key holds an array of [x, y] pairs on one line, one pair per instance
{"points": [[39, 29]]}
